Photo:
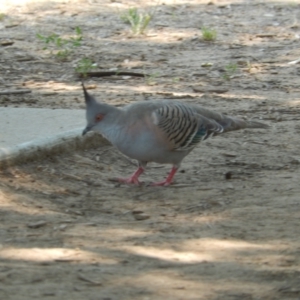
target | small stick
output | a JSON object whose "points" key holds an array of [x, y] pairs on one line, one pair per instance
{"points": [[111, 73], [209, 90], [88, 280], [11, 92]]}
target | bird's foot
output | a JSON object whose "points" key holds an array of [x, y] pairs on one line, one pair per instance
{"points": [[161, 183], [168, 180], [130, 180], [134, 178]]}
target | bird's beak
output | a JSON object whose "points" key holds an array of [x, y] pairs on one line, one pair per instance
{"points": [[86, 130]]}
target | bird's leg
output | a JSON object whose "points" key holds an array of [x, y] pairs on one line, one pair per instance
{"points": [[134, 177], [168, 180]]}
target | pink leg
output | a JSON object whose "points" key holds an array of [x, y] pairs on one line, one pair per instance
{"points": [[133, 178], [168, 180]]}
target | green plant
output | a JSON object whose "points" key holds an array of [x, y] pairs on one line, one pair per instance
{"points": [[138, 21], [2, 16], [230, 70], [207, 65], [151, 78], [62, 54], [208, 34], [76, 41], [84, 66], [249, 66], [60, 46]]}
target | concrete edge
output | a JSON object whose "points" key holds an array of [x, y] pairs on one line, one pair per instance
{"points": [[68, 141]]}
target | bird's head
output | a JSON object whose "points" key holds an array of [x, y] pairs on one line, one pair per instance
{"points": [[96, 112]]}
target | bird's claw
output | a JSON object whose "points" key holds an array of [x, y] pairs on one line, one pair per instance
{"points": [[130, 180], [161, 183]]}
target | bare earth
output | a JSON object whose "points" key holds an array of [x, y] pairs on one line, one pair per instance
{"points": [[228, 228]]}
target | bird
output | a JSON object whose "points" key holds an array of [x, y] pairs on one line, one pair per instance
{"points": [[160, 131]]}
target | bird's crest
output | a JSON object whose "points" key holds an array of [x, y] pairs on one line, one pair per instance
{"points": [[88, 98]]}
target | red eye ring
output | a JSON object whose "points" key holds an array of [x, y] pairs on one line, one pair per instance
{"points": [[99, 117]]}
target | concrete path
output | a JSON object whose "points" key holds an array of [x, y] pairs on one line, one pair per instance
{"points": [[31, 132]]}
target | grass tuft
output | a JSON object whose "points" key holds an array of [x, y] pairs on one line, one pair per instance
{"points": [[208, 34], [59, 47], [138, 21], [84, 66], [230, 70]]}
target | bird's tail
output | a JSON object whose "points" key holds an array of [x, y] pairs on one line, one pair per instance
{"points": [[229, 123], [233, 123]]}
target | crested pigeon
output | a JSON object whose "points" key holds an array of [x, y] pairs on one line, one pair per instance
{"points": [[160, 131]]}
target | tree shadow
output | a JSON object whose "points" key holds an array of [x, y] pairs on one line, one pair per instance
{"points": [[209, 239]]}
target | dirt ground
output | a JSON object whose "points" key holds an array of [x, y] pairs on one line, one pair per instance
{"points": [[228, 228]]}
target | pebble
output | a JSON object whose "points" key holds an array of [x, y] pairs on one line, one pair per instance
{"points": [[141, 217], [37, 224]]}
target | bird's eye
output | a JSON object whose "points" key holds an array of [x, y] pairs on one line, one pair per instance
{"points": [[99, 117]]}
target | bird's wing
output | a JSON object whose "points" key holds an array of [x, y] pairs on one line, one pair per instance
{"points": [[182, 126]]}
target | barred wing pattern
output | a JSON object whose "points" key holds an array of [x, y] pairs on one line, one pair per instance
{"points": [[184, 126]]}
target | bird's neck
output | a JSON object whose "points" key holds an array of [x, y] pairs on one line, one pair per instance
{"points": [[113, 125]]}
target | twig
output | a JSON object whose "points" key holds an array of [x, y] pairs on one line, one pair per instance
{"points": [[182, 185], [83, 278], [137, 197], [111, 73], [210, 90], [11, 92], [294, 62], [132, 162], [265, 35]]}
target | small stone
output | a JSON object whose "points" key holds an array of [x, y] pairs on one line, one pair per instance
{"points": [[137, 211], [37, 224], [228, 175], [228, 154], [63, 226], [6, 43], [11, 25], [295, 161], [141, 217], [230, 187]]}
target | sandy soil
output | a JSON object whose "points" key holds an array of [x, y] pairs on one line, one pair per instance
{"points": [[228, 228]]}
